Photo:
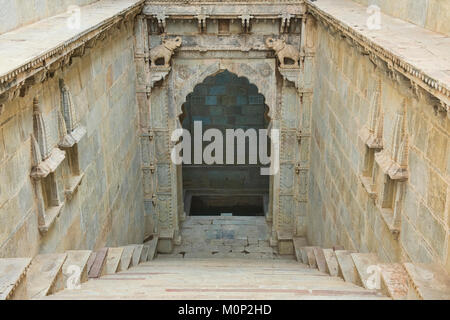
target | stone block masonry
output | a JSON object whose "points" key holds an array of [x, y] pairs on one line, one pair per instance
{"points": [[107, 207], [400, 220]]}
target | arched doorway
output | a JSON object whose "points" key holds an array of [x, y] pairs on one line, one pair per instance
{"points": [[225, 102]]}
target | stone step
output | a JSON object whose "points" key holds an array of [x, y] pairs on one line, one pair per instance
{"points": [[113, 260], [366, 269], [152, 244], [331, 262], [219, 279], [299, 242], [75, 268], [393, 280], [347, 269], [427, 282], [137, 254], [320, 259], [285, 245], [165, 242], [308, 256], [45, 276], [144, 255], [97, 268], [13, 274], [127, 256]]}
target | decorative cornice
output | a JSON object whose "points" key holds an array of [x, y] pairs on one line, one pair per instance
{"points": [[16, 82], [393, 63]]}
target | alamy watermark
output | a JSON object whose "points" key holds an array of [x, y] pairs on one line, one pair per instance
{"points": [[74, 19], [213, 153], [374, 20]]}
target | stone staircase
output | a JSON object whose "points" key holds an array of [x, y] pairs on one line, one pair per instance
{"points": [[131, 272], [47, 274], [399, 281]]}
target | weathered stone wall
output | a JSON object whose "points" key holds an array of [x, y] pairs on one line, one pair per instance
{"points": [[342, 210], [107, 208], [17, 13], [430, 14]]}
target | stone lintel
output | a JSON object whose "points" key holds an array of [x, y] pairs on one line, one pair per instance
{"points": [[390, 167], [370, 139], [49, 165], [72, 138]]}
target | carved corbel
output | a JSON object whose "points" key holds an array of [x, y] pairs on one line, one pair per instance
{"points": [[79, 52], [415, 89], [92, 42], [391, 72], [285, 22], [161, 20], [245, 18], [201, 22], [441, 108], [299, 136]]}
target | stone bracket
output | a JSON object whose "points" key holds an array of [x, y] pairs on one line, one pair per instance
{"points": [[161, 19], [49, 165], [246, 22], [370, 139], [390, 167], [285, 22], [291, 74], [201, 22], [157, 74]]}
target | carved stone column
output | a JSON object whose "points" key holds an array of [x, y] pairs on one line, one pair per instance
{"points": [[143, 87]]}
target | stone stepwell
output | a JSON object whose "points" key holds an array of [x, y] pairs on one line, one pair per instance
{"points": [[219, 258]]}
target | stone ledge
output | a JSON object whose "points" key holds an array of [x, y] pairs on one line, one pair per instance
{"points": [[49, 165], [418, 54], [370, 139], [73, 138], [50, 216], [26, 54], [74, 183], [390, 167], [368, 186], [388, 217]]}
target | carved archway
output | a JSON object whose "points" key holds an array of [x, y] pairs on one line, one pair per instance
{"points": [[234, 102], [187, 75]]}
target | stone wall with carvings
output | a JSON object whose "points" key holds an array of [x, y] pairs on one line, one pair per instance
{"points": [[430, 14], [17, 13], [102, 202], [380, 166]]}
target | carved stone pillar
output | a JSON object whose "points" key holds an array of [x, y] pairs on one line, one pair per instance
{"points": [[143, 87]]}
